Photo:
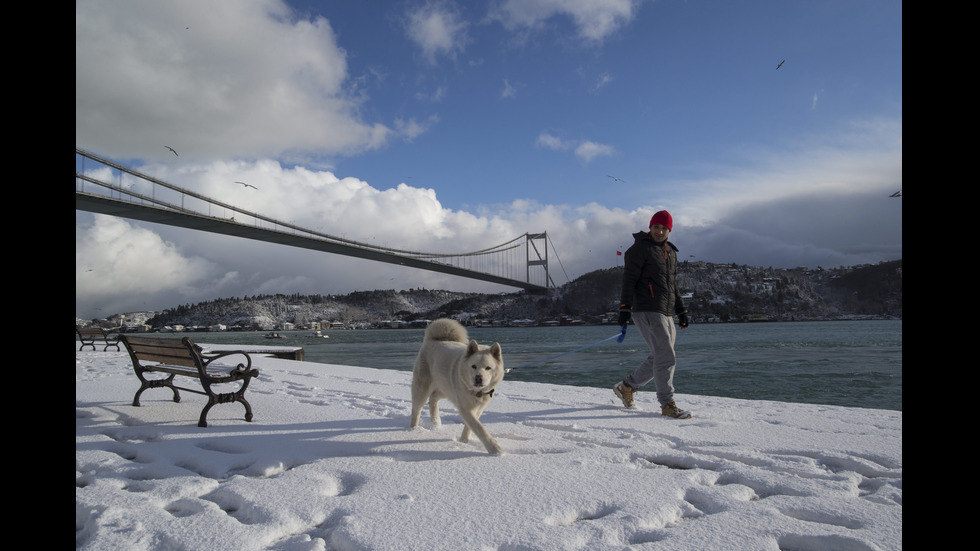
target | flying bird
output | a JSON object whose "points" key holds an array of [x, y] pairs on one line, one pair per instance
{"points": [[780, 64], [247, 185], [171, 149], [617, 179], [896, 194]]}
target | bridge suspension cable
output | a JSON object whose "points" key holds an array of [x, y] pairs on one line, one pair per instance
{"points": [[501, 263]]}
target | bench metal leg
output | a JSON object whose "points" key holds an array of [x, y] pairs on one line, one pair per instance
{"points": [[157, 383], [214, 399]]}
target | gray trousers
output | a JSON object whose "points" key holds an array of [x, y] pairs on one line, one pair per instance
{"points": [[659, 333]]}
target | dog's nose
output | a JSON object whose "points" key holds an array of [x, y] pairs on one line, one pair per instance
{"points": [[479, 380]]}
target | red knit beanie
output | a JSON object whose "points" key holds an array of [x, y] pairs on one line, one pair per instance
{"points": [[663, 218]]}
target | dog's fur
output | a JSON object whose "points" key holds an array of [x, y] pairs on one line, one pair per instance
{"points": [[452, 366]]}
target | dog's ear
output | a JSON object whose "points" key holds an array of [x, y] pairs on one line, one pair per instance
{"points": [[472, 348], [495, 351]]}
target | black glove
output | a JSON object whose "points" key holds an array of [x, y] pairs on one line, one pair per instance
{"points": [[624, 317], [682, 319]]}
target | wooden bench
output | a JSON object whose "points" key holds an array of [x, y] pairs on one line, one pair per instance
{"points": [[184, 358], [88, 336]]}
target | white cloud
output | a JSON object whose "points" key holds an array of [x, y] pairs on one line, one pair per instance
{"points": [[116, 261], [412, 128], [233, 79], [865, 158], [437, 28], [551, 142], [509, 90], [593, 20], [587, 151], [436, 95], [602, 81]]}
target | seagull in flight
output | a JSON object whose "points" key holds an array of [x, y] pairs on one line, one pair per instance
{"points": [[247, 185], [617, 179], [780, 64], [171, 149], [896, 194]]}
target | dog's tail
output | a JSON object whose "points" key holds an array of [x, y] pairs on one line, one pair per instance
{"points": [[446, 330]]}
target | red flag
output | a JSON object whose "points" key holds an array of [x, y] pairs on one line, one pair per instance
{"points": [[619, 253]]}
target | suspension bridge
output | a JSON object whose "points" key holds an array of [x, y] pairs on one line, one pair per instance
{"points": [[106, 187]]}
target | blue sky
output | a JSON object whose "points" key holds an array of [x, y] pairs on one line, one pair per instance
{"points": [[451, 126]]}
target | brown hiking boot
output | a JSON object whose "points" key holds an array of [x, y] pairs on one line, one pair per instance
{"points": [[625, 393], [671, 410]]}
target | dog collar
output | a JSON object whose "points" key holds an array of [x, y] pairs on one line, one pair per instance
{"points": [[480, 393]]}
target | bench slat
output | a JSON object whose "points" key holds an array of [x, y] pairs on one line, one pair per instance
{"points": [[161, 350]]}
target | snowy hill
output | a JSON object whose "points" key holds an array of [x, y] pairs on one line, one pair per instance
{"points": [[713, 292]]}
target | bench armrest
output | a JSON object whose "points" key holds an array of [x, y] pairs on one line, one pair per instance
{"points": [[241, 368]]}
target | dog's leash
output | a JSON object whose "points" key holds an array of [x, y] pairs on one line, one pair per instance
{"points": [[618, 336]]}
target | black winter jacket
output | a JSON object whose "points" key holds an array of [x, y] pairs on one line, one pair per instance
{"points": [[650, 277]]}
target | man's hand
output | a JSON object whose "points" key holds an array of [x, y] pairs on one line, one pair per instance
{"points": [[624, 317], [682, 319]]}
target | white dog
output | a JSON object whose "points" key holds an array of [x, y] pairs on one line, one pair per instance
{"points": [[452, 366]]}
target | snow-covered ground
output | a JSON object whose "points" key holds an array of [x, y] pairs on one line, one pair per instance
{"points": [[329, 463]]}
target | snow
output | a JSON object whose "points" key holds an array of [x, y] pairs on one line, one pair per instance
{"points": [[329, 463]]}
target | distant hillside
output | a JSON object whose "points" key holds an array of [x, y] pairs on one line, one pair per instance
{"points": [[713, 293], [871, 290]]}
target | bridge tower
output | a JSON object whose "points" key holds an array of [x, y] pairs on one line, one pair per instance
{"points": [[539, 259]]}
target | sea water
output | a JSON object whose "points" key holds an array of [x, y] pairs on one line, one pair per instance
{"points": [[846, 363]]}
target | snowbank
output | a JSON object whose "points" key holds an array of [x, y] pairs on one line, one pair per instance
{"points": [[330, 463]]}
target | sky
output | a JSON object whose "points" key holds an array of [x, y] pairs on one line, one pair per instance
{"points": [[771, 131], [328, 462]]}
